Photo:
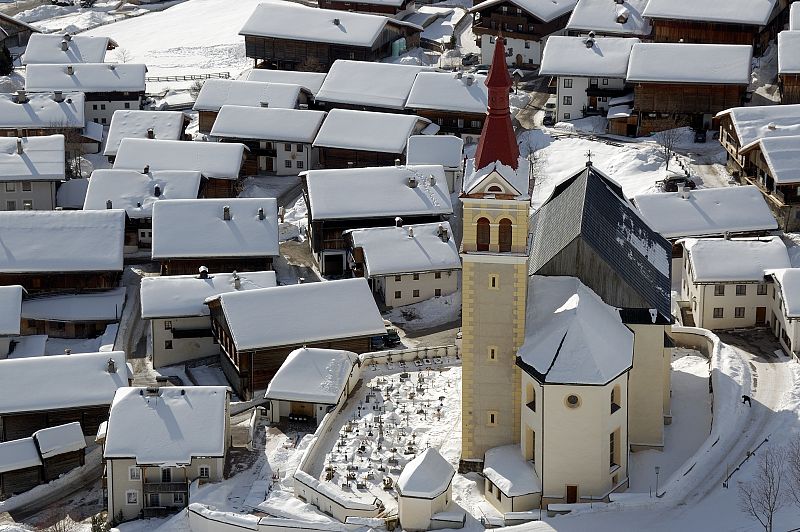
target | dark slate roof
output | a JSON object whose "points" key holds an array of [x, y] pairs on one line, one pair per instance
{"points": [[592, 207]]}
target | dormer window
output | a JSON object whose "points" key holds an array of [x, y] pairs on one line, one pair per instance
{"points": [[494, 189]]}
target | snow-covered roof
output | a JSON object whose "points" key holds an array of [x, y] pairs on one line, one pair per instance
{"points": [[45, 241], [544, 10], [71, 194], [184, 295], [447, 91], [301, 313], [32, 158], [10, 309], [782, 155], [166, 125], [277, 19], [48, 49], [407, 249], [313, 376], [28, 346], [737, 259], [789, 281], [167, 427], [308, 80], [619, 111], [428, 475], [217, 160], [269, 123], [377, 192], [756, 122], [789, 52], [62, 439], [602, 16], [94, 306], [60, 381], [607, 57], [447, 150], [18, 454], [563, 323], [754, 12], [368, 131], [384, 85], [794, 17], [86, 77], [690, 63], [508, 470], [516, 179], [198, 228], [706, 212], [42, 111], [218, 92], [136, 192]]}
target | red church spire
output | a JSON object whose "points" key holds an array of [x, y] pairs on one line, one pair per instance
{"points": [[498, 142]]}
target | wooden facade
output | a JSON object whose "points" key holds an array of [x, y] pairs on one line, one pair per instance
{"points": [[514, 22], [220, 188], [44, 282], [205, 120], [374, 8], [21, 480], [215, 265], [454, 122], [24, 424], [346, 158], [13, 32], [64, 329], [690, 31], [663, 106], [783, 199], [789, 85]]}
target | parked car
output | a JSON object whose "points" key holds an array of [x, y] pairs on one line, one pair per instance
{"points": [[470, 59], [671, 183], [549, 119], [699, 136]]}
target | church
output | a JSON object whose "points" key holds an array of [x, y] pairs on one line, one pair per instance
{"points": [[565, 314]]}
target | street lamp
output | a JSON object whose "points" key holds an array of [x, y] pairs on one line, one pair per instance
{"points": [[658, 470]]}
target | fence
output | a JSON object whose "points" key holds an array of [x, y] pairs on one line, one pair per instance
{"points": [[205, 519], [189, 77]]}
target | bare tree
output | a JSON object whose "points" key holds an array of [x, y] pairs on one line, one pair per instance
{"points": [[765, 494], [123, 55], [793, 469], [311, 64], [668, 139], [73, 147], [194, 88]]}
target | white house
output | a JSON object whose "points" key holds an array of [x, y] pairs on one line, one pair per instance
{"points": [[310, 382], [311, 81], [135, 124], [724, 279], [31, 169], [590, 72], [180, 327], [784, 315], [108, 86], [510, 481], [446, 150], [159, 440], [10, 312], [407, 264], [37, 114], [612, 19], [53, 49], [278, 140], [425, 491]]}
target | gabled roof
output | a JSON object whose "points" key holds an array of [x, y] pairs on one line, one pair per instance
{"points": [[196, 228], [168, 427], [61, 439], [407, 249], [563, 323], [18, 454], [92, 306], [368, 131], [706, 212], [60, 381], [381, 192], [782, 155], [48, 49], [789, 282], [427, 476], [42, 111], [690, 63], [789, 52], [301, 314], [136, 192], [601, 16], [217, 160], [752, 12], [737, 259], [11, 21], [166, 125], [590, 206], [446, 91], [218, 92], [447, 150], [86, 77], [311, 81], [10, 309], [313, 376], [177, 296], [544, 10], [267, 123], [511, 181], [510, 472], [45, 241], [753, 123], [571, 56], [32, 158], [384, 85]]}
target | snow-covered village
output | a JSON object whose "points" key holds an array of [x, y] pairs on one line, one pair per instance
{"points": [[399, 265]]}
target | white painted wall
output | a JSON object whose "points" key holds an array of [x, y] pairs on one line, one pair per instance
{"points": [[183, 349], [101, 111], [41, 195], [577, 92], [425, 287], [531, 51]]}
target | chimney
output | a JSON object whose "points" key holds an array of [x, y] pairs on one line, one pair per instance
{"points": [[22, 96], [410, 232], [161, 380], [443, 233], [108, 204], [151, 390], [261, 213], [138, 204], [150, 133], [70, 70], [58, 96], [684, 192], [157, 191], [727, 235], [264, 104], [202, 272], [412, 182], [226, 213], [432, 179], [589, 42], [237, 281], [146, 169], [398, 222], [67, 37], [19, 146], [459, 75], [111, 365], [67, 351], [397, 163], [64, 45], [470, 80], [112, 66], [336, 22], [772, 126]]}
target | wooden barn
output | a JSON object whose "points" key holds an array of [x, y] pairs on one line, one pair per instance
{"points": [[67, 388], [257, 329], [789, 66], [72, 315], [390, 8], [273, 39], [14, 32]]}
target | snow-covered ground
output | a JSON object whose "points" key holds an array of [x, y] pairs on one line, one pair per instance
{"points": [[427, 314]]}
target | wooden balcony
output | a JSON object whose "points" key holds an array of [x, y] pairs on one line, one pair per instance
{"points": [[166, 487]]}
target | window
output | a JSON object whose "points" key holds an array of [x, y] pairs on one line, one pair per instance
{"points": [[205, 471], [505, 234], [483, 236], [166, 475], [177, 498], [11, 205], [761, 289], [519, 11], [567, 100], [27, 205], [719, 289], [134, 473], [567, 83], [520, 27], [460, 123], [494, 282], [398, 294], [615, 399], [437, 292], [492, 352], [167, 323], [132, 497], [566, 116], [102, 107], [415, 293], [605, 81], [299, 148], [440, 121], [26, 186], [167, 344], [94, 107], [573, 401], [398, 278], [437, 275], [530, 396], [416, 277], [127, 105], [491, 418], [287, 163], [287, 147], [300, 164], [352, 55], [527, 45], [505, 9], [718, 313], [491, 40], [102, 120], [738, 312], [593, 81], [613, 449], [475, 124], [741, 289], [11, 186]]}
